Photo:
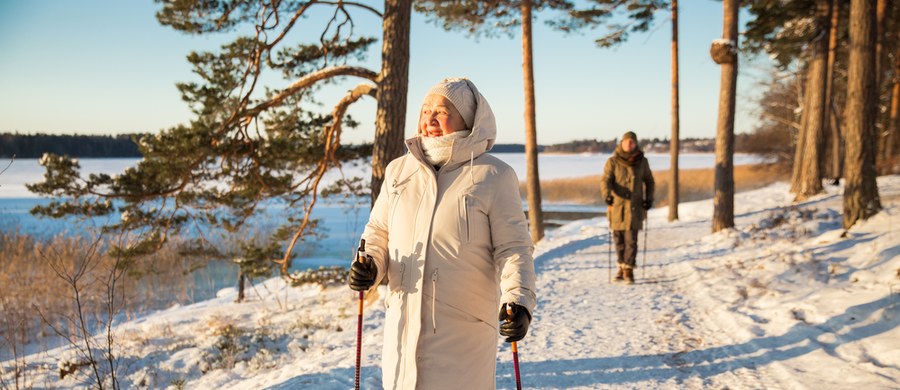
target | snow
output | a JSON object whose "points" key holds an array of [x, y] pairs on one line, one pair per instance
{"points": [[786, 299]]}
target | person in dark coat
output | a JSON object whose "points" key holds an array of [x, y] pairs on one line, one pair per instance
{"points": [[627, 187]]}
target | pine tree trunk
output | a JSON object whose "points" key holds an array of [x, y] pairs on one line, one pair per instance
{"points": [[881, 122], [895, 114], [241, 289], [800, 140], [674, 142], [390, 116], [860, 190], [723, 199], [831, 116], [810, 172], [533, 181]]}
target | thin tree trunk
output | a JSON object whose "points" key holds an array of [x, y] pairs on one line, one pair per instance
{"points": [[723, 199], [814, 126], [393, 82], [860, 191], [533, 181], [831, 114], [881, 16], [800, 141], [895, 116], [674, 142], [241, 289]]}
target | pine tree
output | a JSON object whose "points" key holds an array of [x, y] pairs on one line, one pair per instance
{"points": [[724, 53], [247, 146], [860, 191]]}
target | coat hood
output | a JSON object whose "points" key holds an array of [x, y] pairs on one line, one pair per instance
{"points": [[484, 133]]}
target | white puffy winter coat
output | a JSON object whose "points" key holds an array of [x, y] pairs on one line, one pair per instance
{"points": [[452, 245]]}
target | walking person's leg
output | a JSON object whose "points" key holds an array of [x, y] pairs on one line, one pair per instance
{"points": [[619, 237], [631, 250]]}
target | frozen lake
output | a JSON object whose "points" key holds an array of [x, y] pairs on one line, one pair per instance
{"points": [[552, 166], [343, 224]]}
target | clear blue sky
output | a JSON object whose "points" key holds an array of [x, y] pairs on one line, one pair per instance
{"points": [[107, 67]]}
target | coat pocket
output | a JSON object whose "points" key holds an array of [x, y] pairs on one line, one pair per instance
{"points": [[464, 203]]}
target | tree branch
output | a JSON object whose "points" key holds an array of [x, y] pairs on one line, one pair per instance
{"points": [[333, 136], [307, 81]]}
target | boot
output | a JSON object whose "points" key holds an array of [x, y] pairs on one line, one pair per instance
{"points": [[620, 274], [629, 275]]}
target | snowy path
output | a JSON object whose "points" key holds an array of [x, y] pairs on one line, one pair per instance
{"points": [[675, 329], [590, 333]]}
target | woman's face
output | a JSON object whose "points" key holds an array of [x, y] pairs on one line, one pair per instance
{"points": [[439, 117], [628, 144]]}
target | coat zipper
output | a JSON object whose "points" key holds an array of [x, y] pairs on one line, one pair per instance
{"points": [[466, 216], [434, 277]]}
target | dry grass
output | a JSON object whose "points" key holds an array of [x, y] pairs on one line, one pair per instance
{"points": [[29, 288], [695, 184]]}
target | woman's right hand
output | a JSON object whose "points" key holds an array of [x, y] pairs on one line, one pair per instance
{"points": [[362, 274]]}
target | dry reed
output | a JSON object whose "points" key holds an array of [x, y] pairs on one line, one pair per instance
{"points": [[29, 288], [694, 184]]}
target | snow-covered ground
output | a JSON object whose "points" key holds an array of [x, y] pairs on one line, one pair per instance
{"points": [[786, 300]]}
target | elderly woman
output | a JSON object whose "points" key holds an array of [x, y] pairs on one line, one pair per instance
{"points": [[448, 236], [627, 186]]}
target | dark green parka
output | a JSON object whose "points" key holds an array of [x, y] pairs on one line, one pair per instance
{"points": [[628, 179]]}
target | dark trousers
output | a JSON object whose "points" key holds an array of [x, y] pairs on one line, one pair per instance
{"points": [[626, 246]]}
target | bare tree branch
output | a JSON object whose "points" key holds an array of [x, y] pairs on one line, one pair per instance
{"points": [[333, 136], [306, 82]]}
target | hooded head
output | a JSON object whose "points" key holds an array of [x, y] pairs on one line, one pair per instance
{"points": [[476, 113], [458, 92]]}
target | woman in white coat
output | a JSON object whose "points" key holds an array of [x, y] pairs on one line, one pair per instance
{"points": [[448, 236]]}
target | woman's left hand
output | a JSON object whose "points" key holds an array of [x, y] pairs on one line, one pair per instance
{"points": [[514, 322]]}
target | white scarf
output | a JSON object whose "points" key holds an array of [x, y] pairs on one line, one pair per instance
{"points": [[437, 149]]}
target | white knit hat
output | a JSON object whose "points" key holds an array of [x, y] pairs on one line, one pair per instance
{"points": [[457, 91]]}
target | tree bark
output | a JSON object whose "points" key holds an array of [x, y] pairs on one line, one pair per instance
{"points": [[674, 142], [533, 181], [860, 190], [393, 83], [894, 119], [831, 114], [800, 140], [723, 199], [241, 289], [881, 16], [810, 172]]}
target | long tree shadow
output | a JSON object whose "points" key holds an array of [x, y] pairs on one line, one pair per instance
{"points": [[800, 340], [337, 378], [568, 248]]}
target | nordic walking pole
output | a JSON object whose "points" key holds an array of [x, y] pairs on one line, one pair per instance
{"points": [[644, 261], [608, 250], [515, 352], [361, 257]]}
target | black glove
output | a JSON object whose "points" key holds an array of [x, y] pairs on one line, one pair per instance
{"points": [[514, 326], [647, 204], [609, 200], [362, 275]]}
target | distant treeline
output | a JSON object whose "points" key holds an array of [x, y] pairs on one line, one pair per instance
{"points": [[655, 145], [82, 146], [122, 145]]}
